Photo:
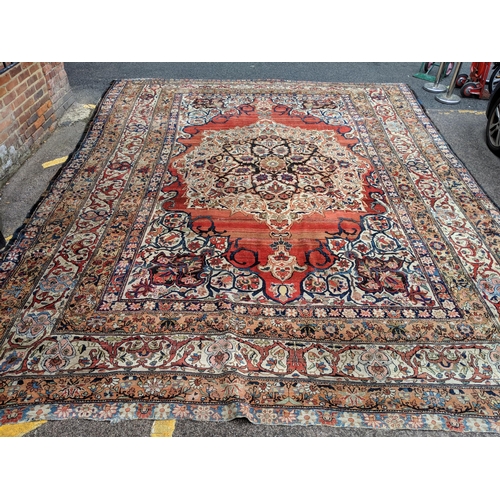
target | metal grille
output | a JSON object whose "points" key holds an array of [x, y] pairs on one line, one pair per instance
{"points": [[4, 66]]}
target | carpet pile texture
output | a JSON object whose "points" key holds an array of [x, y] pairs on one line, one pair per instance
{"points": [[289, 252]]}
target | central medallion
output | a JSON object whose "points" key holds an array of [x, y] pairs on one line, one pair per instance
{"points": [[276, 173], [281, 176]]}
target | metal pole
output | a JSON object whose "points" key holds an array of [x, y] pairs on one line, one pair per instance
{"points": [[450, 98], [436, 86]]}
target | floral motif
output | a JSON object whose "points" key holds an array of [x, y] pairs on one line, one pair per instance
{"points": [[34, 324], [219, 353], [307, 417], [376, 362], [58, 355], [265, 168]]}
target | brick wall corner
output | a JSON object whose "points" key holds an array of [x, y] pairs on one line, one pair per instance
{"points": [[33, 97]]}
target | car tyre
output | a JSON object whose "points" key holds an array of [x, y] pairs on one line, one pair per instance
{"points": [[493, 125], [494, 79]]}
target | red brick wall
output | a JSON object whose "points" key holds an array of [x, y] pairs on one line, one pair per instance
{"points": [[33, 96]]}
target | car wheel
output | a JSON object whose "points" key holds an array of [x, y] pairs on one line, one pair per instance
{"points": [[494, 79], [493, 126]]}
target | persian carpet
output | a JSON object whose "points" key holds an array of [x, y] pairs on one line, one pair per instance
{"points": [[289, 252]]}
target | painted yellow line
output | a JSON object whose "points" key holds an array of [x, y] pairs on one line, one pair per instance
{"points": [[163, 428], [462, 111], [57, 161], [16, 430], [8, 238], [90, 106]]}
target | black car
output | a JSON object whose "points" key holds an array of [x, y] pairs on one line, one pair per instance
{"points": [[493, 125]]}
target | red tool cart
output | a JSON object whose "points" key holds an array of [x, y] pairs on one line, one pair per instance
{"points": [[476, 83]]}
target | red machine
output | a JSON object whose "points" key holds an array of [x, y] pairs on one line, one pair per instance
{"points": [[475, 82]]}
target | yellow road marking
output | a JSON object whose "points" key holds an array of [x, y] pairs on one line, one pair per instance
{"points": [[90, 106], [466, 111], [8, 238], [163, 428], [57, 161], [16, 430]]}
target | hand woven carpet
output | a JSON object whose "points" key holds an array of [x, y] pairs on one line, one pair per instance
{"points": [[292, 253]]}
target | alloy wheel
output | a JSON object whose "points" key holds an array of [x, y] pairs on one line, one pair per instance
{"points": [[493, 129]]}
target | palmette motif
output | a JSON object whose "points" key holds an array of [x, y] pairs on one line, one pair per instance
{"points": [[292, 253]]}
